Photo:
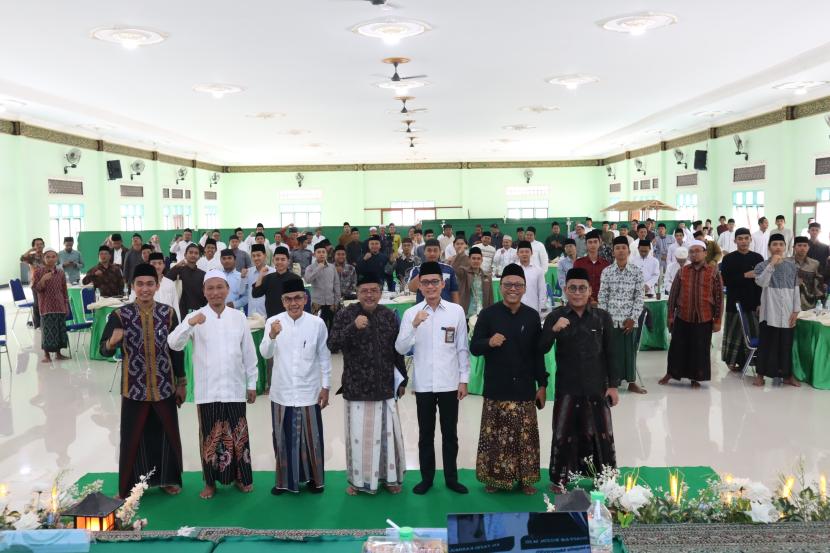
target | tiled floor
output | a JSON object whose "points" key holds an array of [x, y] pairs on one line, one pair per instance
{"points": [[61, 416]]}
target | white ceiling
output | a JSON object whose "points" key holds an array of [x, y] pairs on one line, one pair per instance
{"points": [[484, 58]]}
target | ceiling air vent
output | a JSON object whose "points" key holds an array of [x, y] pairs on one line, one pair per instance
{"points": [[61, 186], [687, 180], [130, 191], [748, 174]]}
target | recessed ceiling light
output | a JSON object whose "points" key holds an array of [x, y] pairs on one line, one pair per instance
{"points": [[266, 115], [711, 113], [637, 24], [539, 109], [401, 88], [800, 87], [128, 37], [218, 90], [295, 132], [518, 127], [573, 81], [391, 29]]}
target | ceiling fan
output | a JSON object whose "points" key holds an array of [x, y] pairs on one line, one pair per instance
{"points": [[409, 128], [412, 141], [397, 61], [404, 100]]}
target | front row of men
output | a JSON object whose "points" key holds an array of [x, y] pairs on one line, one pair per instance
{"points": [[507, 335]]}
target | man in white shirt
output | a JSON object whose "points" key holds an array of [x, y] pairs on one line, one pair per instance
{"points": [[535, 288], [210, 260], [317, 238], [456, 247], [437, 329], [224, 378], [781, 228], [166, 293], [488, 252], [504, 255], [250, 276], [252, 237], [648, 264], [216, 238], [760, 238], [540, 254], [681, 254], [726, 239], [679, 241], [179, 248], [446, 239], [276, 243], [243, 244], [296, 340]]}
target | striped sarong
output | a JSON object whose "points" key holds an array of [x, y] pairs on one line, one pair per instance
{"points": [[224, 446], [298, 446], [374, 445], [733, 350]]}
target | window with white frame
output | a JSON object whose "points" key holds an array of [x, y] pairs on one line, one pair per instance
{"points": [[527, 209], [687, 206], [132, 217], [302, 216], [176, 217], [211, 219], [408, 213], [747, 208], [65, 220]]}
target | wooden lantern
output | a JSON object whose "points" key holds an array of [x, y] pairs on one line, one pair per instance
{"points": [[95, 512]]}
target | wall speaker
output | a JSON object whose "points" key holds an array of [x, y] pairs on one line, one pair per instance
{"points": [[700, 160], [114, 169]]}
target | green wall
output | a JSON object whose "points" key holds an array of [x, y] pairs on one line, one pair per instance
{"points": [[789, 150]]}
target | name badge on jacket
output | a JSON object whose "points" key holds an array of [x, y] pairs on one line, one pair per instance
{"points": [[449, 334]]}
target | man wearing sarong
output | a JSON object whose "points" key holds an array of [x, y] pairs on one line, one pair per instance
{"points": [[586, 382], [374, 375], [780, 305], [738, 273], [437, 329], [153, 384], [507, 336], [296, 340], [695, 306], [621, 295], [224, 378]]}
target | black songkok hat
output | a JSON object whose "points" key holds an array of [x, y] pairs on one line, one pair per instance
{"points": [[280, 250], [801, 240], [374, 237], [368, 278], [144, 269], [430, 268], [321, 244], [486, 233], [644, 243], [741, 231], [567, 241], [156, 256], [777, 237], [292, 285], [210, 241], [577, 273], [620, 240], [105, 248], [339, 248], [594, 234], [524, 244], [116, 237], [475, 249], [513, 270], [147, 247], [227, 252], [258, 248]]}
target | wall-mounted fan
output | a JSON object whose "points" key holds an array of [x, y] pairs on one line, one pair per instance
{"points": [[181, 174], [827, 119], [528, 174], [136, 168], [640, 166], [73, 156], [739, 148], [612, 174], [679, 156], [214, 179]]}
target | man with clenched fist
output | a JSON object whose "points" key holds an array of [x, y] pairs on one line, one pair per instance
{"points": [[507, 336], [586, 382], [296, 340], [224, 378]]}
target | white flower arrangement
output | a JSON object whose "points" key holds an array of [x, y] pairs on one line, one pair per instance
{"points": [[128, 510]]}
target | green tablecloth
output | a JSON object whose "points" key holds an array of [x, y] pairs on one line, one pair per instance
{"points": [[76, 301], [262, 366], [658, 337], [99, 322], [400, 308], [811, 354], [476, 384]]}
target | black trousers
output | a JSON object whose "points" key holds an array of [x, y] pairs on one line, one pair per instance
{"points": [[35, 310], [447, 405]]}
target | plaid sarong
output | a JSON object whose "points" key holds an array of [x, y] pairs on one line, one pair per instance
{"points": [[733, 349]]}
